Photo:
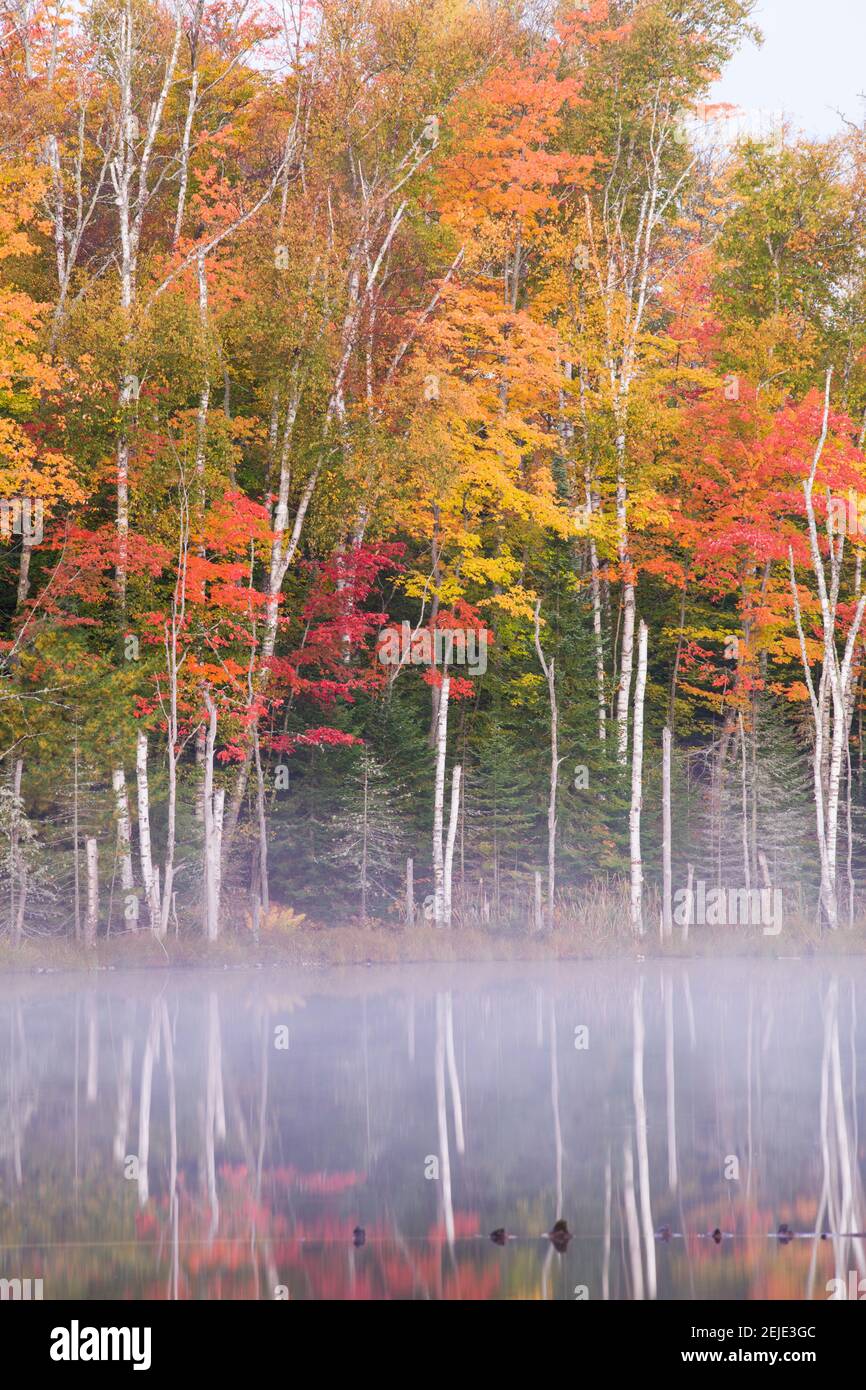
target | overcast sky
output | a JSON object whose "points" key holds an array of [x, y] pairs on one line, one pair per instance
{"points": [[812, 64]]}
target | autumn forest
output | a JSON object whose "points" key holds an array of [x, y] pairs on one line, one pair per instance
{"points": [[432, 476]]}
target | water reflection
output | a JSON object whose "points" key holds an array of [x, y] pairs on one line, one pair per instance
{"points": [[224, 1135]]}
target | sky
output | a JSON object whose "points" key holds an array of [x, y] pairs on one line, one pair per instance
{"points": [[811, 67]]}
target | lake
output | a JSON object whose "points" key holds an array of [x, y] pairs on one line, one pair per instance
{"points": [[222, 1135]]}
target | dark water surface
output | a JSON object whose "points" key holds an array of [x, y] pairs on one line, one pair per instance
{"points": [[220, 1135]]}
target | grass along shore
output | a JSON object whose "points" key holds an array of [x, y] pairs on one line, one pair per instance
{"points": [[308, 944]]}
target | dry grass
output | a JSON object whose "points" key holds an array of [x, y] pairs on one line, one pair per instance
{"points": [[590, 926]]}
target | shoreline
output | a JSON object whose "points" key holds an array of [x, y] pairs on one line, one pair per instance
{"points": [[353, 946]]}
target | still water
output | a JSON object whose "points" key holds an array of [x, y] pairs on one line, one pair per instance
{"points": [[222, 1135]]}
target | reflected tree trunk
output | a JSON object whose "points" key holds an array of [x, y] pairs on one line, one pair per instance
{"points": [[442, 1121], [151, 1047], [453, 1077], [670, 1084], [215, 1114], [168, 1045], [92, 1083], [124, 1100], [631, 1223], [641, 1137]]}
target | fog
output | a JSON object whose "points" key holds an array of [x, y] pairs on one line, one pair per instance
{"points": [[361, 1132]]}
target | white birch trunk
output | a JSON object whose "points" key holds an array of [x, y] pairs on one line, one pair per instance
{"points": [[148, 878], [599, 642], [144, 1100], [667, 877], [212, 834], [641, 1136], [549, 669], [637, 786], [628, 617], [410, 893], [452, 836], [124, 833], [453, 1077], [831, 737], [442, 1122], [439, 804], [124, 1100], [92, 918], [17, 862]]}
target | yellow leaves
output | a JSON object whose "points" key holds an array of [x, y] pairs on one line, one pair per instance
{"points": [[482, 395], [27, 467], [526, 690], [283, 921], [419, 586], [515, 602], [790, 647], [21, 186], [694, 632], [485, 570]]}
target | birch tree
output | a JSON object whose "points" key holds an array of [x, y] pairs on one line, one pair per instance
{"points": [[549, 669], [831, 695], [637, 785], [439, 804]]}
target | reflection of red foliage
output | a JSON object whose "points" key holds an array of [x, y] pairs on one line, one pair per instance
{"points": [[258, 1244], [325, 1183], [466, 1223]]}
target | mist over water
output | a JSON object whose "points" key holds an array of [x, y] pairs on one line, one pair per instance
{"points": [[222, 1134]]}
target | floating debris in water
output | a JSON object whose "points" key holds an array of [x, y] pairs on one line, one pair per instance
{"points": [[559, 1236]]}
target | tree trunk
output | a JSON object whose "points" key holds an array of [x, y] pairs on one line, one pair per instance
{"points": [[148, 877], [410, 893], [628, 616], [595, 591], [124, 838], [689, 886], [264, 889], [744, 789], [24, 573], [452, 836], [214, 802], [667, 919], [549, 669], [92, 918], [17, 865], [75, 840], [637, 786], [439, 804]]}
